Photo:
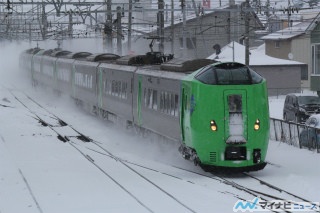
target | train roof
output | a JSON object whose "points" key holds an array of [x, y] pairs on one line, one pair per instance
{"points": [[129, 60], [185, 65], [33, 50], [150, 58], [153, 71], [77, 55], [228, 65], [102, 57], [60, 53], [113, 66], [150, 61]]}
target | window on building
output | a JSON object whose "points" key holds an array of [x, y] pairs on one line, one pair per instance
{"points": [[304, 73], [277, 44], [316, 59]]}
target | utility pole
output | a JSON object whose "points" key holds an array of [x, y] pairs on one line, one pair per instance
{"points": [[129, 25], [172, 27], [30, 39], [70, 28], [44, 21], [247, 33], [195, 8], [184, 40], [108, 27], [119, 31], [268, 15], [161, 24], [289, 14]]}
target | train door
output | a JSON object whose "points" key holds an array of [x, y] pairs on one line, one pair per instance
{"points": [[235, 102], [182, 102], [185, 119]]}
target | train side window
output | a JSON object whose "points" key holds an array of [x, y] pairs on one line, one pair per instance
{"points": [[126, 87], [154, 100], [165, 104], [168, 97], [105, 86], [145, 96], [124, 90], [169, 103], [113, 87], [172, 107], [176, 106], [161, 101], [150, 98], [118, 88], [109, 87]]}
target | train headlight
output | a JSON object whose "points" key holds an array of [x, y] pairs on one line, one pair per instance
{"points": [[257, 125], [213, 126]]}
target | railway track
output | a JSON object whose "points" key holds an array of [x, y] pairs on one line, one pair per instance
{"points": [[102, 159], [275, 192], [71, 136]]}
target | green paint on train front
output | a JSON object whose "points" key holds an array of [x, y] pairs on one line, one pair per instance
{"points": [[202, 103]]}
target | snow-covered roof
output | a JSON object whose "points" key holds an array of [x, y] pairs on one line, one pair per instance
{"points": [[310, 22], [289, 32], [257, 56]]}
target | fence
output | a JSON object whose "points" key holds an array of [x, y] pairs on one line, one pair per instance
{"points": [[298, 135]]}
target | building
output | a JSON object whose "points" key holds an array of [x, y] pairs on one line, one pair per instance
{"points": [[205, 32], [276, 71], [300, 42]]}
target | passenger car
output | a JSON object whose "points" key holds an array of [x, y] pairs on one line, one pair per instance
{"points": [[298, 108], [222, 107], [310, 135]]}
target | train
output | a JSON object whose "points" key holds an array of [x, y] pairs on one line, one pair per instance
{"points": [[217, 111]]}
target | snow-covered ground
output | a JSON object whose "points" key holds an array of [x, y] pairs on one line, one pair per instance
{"points": [[119, 171]]}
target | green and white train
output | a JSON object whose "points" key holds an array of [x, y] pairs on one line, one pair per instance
{"points": [[218, 111]]}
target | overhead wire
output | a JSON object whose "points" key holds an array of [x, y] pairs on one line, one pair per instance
{"points": [[232, 22]]}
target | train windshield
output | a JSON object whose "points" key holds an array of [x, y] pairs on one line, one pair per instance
{"points": [[228, 75]]}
